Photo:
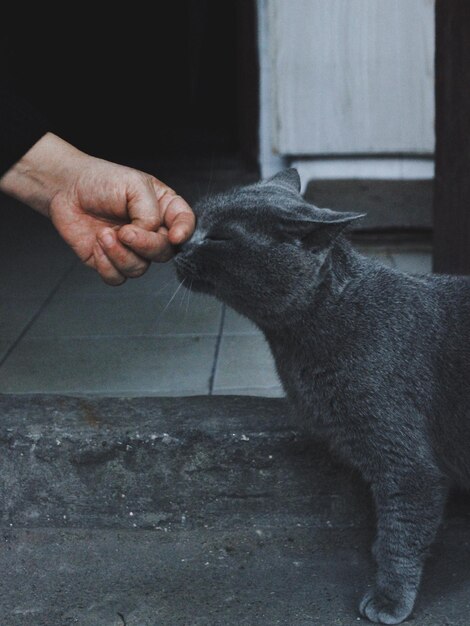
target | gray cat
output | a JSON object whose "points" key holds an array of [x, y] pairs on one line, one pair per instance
{"points": [[375, 361]]}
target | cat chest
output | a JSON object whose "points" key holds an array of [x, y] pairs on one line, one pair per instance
{"points": [[312, 387]]}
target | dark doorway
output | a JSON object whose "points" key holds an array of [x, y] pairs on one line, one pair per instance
{"points": [[452, 181], [131, 86]]}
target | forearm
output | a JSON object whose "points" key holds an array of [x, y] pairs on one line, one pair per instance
{"points": [[117, 219], [40, 174]]}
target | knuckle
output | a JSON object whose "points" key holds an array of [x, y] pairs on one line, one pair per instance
{"points": [[137, 270], [144, 241], [161, 187], [138, 177], [166, 195]]}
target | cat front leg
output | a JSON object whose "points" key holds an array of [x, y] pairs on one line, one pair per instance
{"points": [[409, 511]]}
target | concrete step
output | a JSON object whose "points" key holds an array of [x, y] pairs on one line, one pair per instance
{"points": [[389, 204], [279, 575], [287, 576], [167, 462], [194, 511]]}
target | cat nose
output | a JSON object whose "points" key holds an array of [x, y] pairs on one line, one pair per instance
{"points": [[191, 244], [194, 241], [185, 248]]}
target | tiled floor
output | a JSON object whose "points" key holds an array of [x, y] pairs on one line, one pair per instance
{"points": [[63, 331]]}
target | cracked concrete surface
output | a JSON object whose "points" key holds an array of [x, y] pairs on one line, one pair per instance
{"points": [[194, 512], [164, 462]]}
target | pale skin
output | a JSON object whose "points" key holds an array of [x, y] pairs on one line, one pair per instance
{"points": [[117, 219]]}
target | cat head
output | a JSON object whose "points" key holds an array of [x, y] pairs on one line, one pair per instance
{"points": [[260, 248]]}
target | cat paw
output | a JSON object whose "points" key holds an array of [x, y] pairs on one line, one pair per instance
{"points": [[379, 608]]}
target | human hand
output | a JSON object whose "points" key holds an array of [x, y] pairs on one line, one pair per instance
{"points": [[118, 219], [115, 218]]}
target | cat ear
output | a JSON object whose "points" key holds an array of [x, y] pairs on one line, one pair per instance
{"points": [[289, 179], [318, 227], [327, 216]]}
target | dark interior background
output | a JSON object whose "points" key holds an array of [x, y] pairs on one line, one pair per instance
{"points": [[134, 87]]}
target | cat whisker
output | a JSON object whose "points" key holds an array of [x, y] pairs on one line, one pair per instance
{"points": [[182, 299], [163, 287], [188, 289], [178, 300], [173, 296]]}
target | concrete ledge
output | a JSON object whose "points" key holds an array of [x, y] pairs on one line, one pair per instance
{"points": [[167, 462], [194, 511], [389, 204]]}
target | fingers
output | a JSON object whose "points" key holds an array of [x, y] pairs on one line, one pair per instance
{"points": [[105, 268], [153, 246], [142, 201], [180, 220], [152, 204], [176, 213], [159, 220], [125, 262]]}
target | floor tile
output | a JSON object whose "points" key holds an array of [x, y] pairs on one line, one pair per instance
{"points": [[4, 345], [135, 365], [33, 257], [15, 314], [85, 281], [234, 323], [33, 276], [413, 262], [126, 315], [265, 392], [245, 362]]}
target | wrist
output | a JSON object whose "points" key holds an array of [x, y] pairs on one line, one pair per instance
{"points": [[47, 168]]}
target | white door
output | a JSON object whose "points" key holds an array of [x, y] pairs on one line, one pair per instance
{"points": [[347, 77]]}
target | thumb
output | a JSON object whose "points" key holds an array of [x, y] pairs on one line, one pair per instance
{"points": [[142, 204], [176, 214]]}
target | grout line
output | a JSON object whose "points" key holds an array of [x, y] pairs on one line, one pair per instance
{"points": [[121, 335], [38, 312], [217, 351], [122, 393]]}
